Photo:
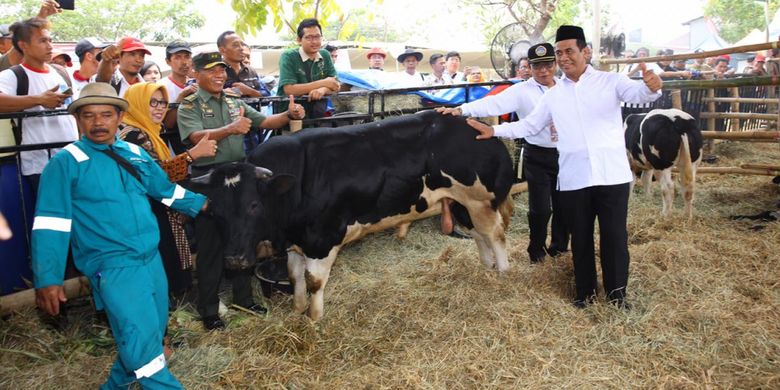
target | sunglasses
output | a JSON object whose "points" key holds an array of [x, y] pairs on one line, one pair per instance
{"points": [[154, 103]]}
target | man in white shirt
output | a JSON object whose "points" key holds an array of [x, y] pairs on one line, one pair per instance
{"points": [[594, 174], [44, 86], [540, 157], [130, 53], [410, 77]]}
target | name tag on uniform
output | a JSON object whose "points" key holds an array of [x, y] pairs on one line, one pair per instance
{"points": [[208, 114]]}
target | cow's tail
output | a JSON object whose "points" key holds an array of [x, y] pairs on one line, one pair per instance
{"points": [[684, 163]]}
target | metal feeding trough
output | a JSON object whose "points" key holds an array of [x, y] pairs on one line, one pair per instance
{"points": [[272, 273]]}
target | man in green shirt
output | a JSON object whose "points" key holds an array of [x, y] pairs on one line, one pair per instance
{"points": [[224, 119], [308, 70]]}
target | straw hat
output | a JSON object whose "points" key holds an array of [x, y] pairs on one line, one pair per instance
{"points": [[98, 93]]}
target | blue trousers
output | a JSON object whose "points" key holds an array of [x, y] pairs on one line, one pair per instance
{"points": [[136, 303]]}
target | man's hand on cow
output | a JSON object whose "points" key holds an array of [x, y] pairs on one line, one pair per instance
{"points": [[652, 80], [49, 299], [485, 131], [295, 111], [241, 125], [454, 111]]}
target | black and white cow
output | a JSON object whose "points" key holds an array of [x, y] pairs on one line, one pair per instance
{"points": [[658, 140], [333, 186]]}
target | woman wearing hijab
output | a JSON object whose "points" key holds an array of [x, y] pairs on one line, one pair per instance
{"points": [[142, 126]]}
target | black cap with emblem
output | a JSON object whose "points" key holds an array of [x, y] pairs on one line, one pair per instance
{"points": [[542, 52], [208, 60]]}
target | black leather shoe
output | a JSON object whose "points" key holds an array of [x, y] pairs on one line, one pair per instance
{"points": [[555, 252], [456, 234], [257, 308], [621, 304], [213, 323], [582, 303]]}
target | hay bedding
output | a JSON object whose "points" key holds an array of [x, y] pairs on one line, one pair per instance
{"points": [[425, 314]]}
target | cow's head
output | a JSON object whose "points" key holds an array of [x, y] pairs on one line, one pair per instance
{"points": [[241, 197]]}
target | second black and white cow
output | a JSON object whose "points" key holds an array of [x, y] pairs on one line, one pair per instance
{"points": [[658, 140], [333, 186]]}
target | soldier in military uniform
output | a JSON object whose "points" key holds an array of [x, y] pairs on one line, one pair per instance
{"points": [[225, 119]]}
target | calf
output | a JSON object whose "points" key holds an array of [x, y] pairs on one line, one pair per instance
{"points": [[658, 140], [333, 186]]}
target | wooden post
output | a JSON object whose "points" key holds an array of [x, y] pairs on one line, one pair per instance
{"points": [[735, 122], [10, 303], [709, 145], [676, 98]]}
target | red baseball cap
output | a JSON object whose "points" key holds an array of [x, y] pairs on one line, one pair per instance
{"points": [[128, 44], [376, 50], [760, 58]]}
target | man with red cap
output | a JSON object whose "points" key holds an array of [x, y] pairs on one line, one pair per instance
{"points": [[594, 175], [376, 58], [129, 53]]}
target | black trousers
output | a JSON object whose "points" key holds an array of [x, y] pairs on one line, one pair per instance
{"points": [[540, 169], [210, 268], [581, 208]]}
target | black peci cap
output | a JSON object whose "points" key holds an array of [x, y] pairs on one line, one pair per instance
{"points": [[569, 32]]}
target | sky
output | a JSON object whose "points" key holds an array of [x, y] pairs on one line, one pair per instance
{"points": [[449, 28]]}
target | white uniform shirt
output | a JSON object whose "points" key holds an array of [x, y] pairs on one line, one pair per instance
{"points": [[520, 98], [407, 80], [587, 117], [40, 130], [174, 88]]}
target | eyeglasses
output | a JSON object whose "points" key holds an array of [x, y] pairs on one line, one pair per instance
{"points": [[543, 65], [311, 38], [158, 103]]}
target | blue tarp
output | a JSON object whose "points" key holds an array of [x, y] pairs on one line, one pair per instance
{"points": [[376, 79]]}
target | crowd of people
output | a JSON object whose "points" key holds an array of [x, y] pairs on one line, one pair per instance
{"points": [[716, 67]]}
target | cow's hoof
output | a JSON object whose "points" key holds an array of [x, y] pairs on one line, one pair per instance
{"points": [[582, 303], [555, 252]]}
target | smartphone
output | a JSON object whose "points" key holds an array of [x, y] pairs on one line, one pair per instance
{"points": [[68, 91], [67, 4]]}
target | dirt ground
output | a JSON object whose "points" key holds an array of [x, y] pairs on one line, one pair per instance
{"points": [[424, 314]]}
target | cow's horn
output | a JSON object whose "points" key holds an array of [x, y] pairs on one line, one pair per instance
{"points": [[203, 179], [263, 173]]}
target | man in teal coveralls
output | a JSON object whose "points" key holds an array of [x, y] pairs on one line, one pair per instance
{"points": [[93, 195]]}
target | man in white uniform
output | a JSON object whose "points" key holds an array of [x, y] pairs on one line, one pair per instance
{"points": [[594, 174], [540, 157]]}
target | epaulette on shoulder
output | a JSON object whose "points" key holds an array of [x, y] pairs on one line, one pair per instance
{"points": [[232, 94], [189, 101]]}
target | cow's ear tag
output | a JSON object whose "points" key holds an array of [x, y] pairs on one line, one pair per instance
{"points": [[281, 184]]}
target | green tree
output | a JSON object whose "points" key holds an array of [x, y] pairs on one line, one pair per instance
{"points": [[361, 25], [736, 18], [537, 18], [111, 20], [253, 15]]}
